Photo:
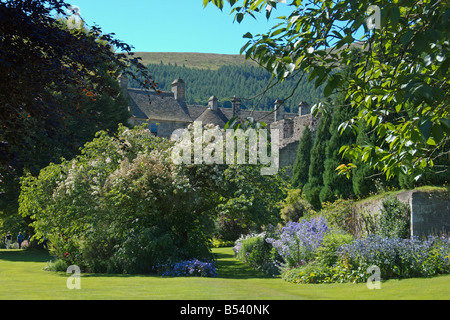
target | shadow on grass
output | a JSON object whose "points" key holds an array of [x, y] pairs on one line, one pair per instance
{"points": [[229, 267], [28, 255]]}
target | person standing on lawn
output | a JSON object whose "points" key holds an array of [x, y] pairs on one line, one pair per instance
{"points": [[20, 239], [8, 240]]}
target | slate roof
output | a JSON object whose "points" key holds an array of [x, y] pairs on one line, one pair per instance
{"points": [[216, 117], [196, 111], [146, 104]]}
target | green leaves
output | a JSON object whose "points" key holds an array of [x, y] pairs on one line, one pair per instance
{"points": [[217, 3], [333, 83], [425, 128], [401, 85], [63, 62]]}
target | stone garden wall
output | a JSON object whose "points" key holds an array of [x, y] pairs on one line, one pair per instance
{"points": [[430, 212]]}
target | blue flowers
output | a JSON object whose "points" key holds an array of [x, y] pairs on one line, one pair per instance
{"points": [[191, 268], [298, 241], [309, 252], [400, 258]]}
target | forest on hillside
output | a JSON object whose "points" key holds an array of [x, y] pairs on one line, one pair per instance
{"points": [[245, 82]]}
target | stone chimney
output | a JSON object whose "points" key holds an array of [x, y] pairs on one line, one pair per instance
{"points": [[279, 110], [178, 89], [303, 108], [236, 106], [212, 103]]}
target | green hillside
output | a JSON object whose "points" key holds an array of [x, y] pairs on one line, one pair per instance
{"points": [[193, 60], [225, 76]]}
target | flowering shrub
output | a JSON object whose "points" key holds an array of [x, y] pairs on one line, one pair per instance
{"points": [[396, 258], [312, 253], [122, 204], [254, 250], [191, 268], [126, 207], [399, 258], [298, 241]]}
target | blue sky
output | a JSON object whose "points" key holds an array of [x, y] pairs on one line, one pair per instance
{"points": [[171, 25]]}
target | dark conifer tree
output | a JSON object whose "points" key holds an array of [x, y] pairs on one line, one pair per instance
{"points": [[335, 185], [317, 166], [302, 161]]}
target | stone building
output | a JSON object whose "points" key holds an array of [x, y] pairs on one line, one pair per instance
{"points": [[169, 111]]}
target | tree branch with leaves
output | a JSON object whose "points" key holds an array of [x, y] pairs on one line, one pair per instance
{"points": [[401, 86]]}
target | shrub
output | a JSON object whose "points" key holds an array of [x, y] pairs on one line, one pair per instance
{"points": [[339, 259], [399, 258], [59, 265], [396, 258], [317, 273], [219, 243], [394, 218], [298, 241], [122, 205], [295, 207], [191, 268], [67, 250], [309, 273], [257, 253], [338, 214], [327, 253]]}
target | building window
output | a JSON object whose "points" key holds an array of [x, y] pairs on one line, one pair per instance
{"points": [[154, 129]]}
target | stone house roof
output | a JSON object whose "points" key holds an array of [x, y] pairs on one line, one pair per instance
{"points": [[171, 106], [148, 105], [216, 117]]}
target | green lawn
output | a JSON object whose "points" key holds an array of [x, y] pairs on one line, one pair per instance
{"points": [[22, 276]]}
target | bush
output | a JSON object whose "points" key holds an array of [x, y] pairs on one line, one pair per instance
{"points": [[295, 207], [298, 241], [327, 253], [318, 273], [257, 253], [309, 252], [309, 273], [394, 219], [399, 258], [59, 265], [219, 243], [338, 214], [191, 268], [396, 258], [122, 205]]}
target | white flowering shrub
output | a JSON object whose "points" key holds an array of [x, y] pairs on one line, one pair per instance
{"points": [[122, 205]]}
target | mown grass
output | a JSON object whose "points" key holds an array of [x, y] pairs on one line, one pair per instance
{"points": [[22, 276]]}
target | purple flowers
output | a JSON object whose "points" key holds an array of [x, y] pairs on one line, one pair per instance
{"points": [[311, 252], [399, 258], [299, 240], [191, 268]]}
